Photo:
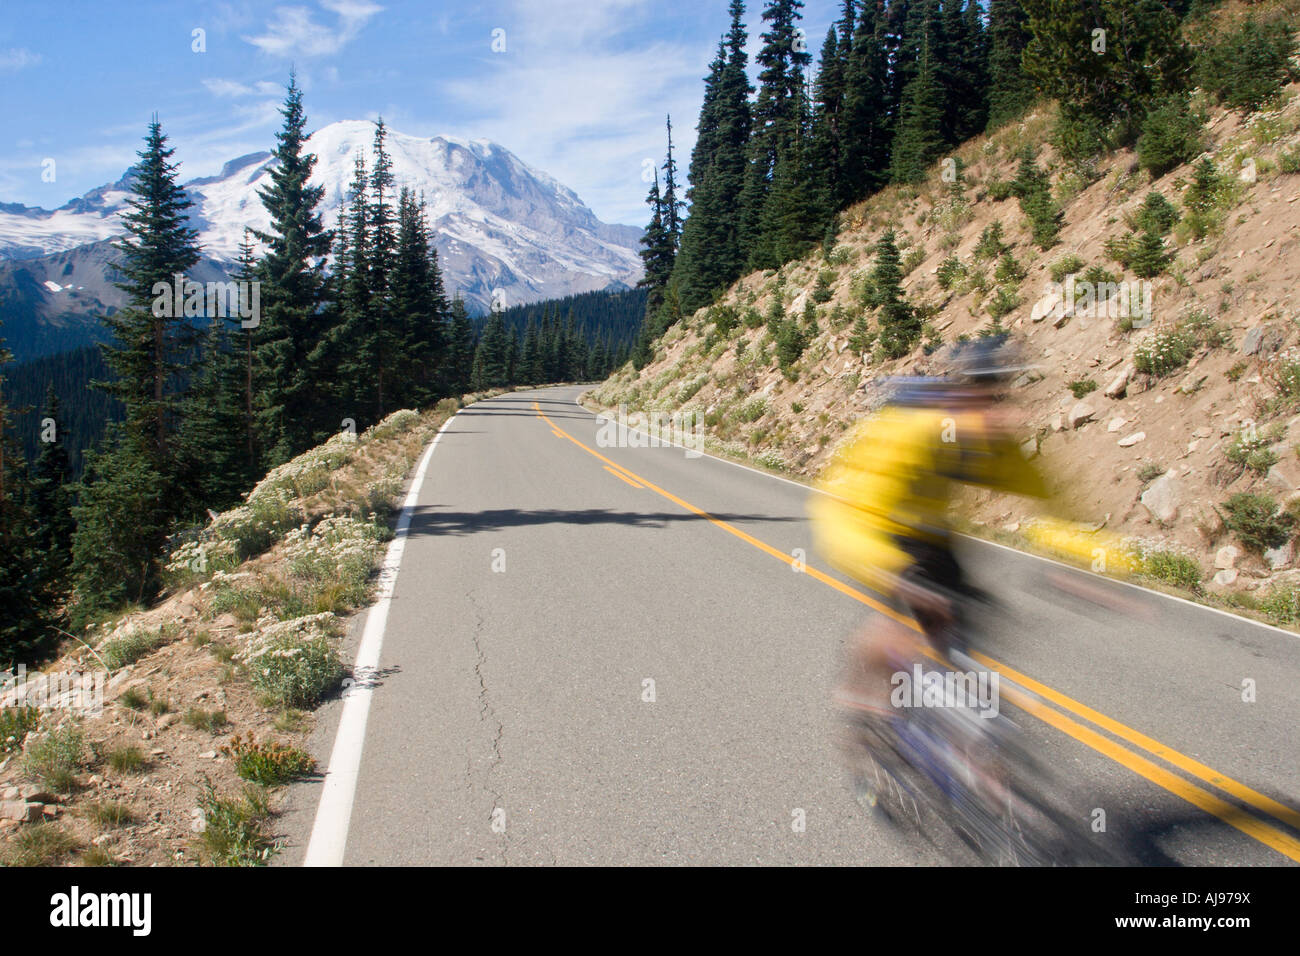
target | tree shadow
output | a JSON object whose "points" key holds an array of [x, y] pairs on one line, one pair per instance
{"points": [[428, 520]]}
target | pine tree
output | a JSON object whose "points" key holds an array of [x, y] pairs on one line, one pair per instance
{"points": [[151, 339], [963, 71], [900, 328], [122, 520], [691, 265], [492, 357], [672, 205], [26, 592], [1011, 91], [1103, 93], [124, 517], [290, 413], [657, 253], [776, 117], [52, 498], [419, 309], [867, 129], [460, 350], [919, 140]]}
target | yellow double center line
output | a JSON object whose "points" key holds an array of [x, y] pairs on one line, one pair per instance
{"points": [[1199, 797]]}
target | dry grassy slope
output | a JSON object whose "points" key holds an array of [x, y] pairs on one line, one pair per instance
{"points": [[1245, 277]]}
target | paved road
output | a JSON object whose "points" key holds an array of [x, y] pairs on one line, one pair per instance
{"points": [[544, 583]]}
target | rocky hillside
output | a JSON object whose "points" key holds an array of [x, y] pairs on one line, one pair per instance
{"points": [[176, 747], [1153, 410]]}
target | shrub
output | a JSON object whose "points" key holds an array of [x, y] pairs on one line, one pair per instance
{"points": [[1003, 301], [1172, 134], [55, 757], [990, 245], [1082, 386], [1247, 65], [1008, 269], [127, 759], [1065, 267], [753, 410], [211, 721], [45, 844], [267, 763], [1283, 373], [295, 670], [120, 651], [999, 190], [234, 830], [1256, 521], [15, 724], [950, 270], [1033, 188], [1156, 214], [1282, 603], [1173, 568], [1250, 449], [1163, 351]]}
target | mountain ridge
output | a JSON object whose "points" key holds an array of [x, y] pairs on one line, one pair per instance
{"points": [[498, 223]]}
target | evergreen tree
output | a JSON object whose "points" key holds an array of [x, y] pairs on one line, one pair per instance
{"points": [[672, 205], [122, 520], [52, 498], [1105, 62], [919, 140], [419, 308], [963, 71], [460, 350], [867, 128], [1011, 91], [290, 414], [492, 357], [124, 517], [900, 328], [152, 341], [211, 453], [658, 252], [691, 265], [26, 591], [776, 117]]}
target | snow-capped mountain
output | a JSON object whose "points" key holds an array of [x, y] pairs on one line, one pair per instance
{"points": [[498, 223]]}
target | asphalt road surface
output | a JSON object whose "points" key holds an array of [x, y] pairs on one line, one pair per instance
{"points": [[613, 655]]}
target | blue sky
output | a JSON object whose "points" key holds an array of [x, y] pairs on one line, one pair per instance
{"points": [[580, 90]]}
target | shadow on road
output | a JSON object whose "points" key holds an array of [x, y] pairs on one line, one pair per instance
{"points": [[431, 521]]}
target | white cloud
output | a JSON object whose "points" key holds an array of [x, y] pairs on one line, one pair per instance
{"points": [[293, 31], [580, 93], [18, 59], [231, 88]]}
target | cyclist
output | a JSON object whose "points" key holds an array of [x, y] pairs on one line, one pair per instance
{"points": [[885, 517]]}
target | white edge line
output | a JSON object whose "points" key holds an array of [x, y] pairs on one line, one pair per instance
{"points": [[971, 537], [329, 833]]}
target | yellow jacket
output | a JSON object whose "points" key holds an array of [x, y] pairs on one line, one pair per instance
{"points": [[893, 478]]}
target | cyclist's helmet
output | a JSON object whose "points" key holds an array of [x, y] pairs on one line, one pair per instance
{"points": [[986, 360]]}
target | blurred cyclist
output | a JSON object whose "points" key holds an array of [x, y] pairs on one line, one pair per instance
{"points": [[885, 517]]}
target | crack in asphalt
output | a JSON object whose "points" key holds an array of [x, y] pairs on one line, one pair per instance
{"points": [[487, 713]]}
